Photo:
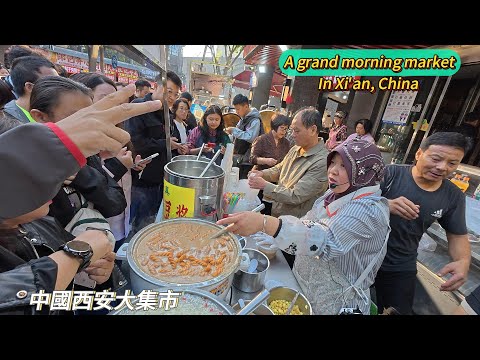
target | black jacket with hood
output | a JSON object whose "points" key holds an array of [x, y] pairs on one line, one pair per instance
{"points": [[36, 171], [148, 137], [96, 186]]}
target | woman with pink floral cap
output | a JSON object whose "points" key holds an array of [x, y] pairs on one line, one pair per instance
{"points": [[341, 242]]}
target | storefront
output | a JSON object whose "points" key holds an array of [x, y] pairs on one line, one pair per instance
{"points": [[441, 103], [75, 65]]}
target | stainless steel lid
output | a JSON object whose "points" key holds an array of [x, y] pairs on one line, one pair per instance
{"points": [[190, 302]]}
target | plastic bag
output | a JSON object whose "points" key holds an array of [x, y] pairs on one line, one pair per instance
{"points": [[427, 243], [243, 199], [227, 161]]}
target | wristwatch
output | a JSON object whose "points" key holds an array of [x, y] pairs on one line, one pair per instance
{"points": [[79, 249]]}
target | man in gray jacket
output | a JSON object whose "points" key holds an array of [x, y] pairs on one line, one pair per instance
{"points": [[246, 131]]}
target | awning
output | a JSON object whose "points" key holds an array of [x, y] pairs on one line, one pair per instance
{"points": [[242, 80]]}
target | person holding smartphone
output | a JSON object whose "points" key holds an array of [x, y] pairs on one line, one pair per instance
{"points": [[148, 136], [210, 132]]}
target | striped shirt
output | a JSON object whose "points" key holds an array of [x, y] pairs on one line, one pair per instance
{"points": [[334, 245]]}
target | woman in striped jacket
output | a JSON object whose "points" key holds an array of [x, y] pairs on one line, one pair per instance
{"points": [[340, 243]]}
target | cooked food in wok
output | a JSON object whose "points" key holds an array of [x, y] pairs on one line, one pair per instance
{"points": [[181, 253]]}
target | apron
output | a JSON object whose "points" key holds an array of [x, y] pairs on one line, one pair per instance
{"points": [[323, 282]]}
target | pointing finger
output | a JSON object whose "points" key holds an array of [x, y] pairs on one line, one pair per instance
{"points": [[122, 112], [116, 98], [118, 135]]}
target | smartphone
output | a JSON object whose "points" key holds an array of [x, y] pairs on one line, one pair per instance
{"points": [[146, 159]]}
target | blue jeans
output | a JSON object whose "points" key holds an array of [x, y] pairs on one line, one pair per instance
{"points": [[144, 206]]}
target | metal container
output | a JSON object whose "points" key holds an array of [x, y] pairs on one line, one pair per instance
{"points": [[190, 157], [191, 302], [261, 310], [286, 293], [141, 280], [252, 281], [184, 189]]}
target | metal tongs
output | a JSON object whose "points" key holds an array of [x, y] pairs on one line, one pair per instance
{"points": [[290, 307], [210, 163], [227, 229], [260, 298], [256, 302], [200, 152]]}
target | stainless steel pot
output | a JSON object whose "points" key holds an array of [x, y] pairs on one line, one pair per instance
{"points": [[252, 281], [184, 189], [192, 302], [141, 280], [190, 157]]}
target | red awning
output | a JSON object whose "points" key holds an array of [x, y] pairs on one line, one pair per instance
{"points": [[242, 80]]}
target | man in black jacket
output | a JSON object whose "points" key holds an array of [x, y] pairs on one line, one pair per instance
{"points": [[148, 137], [33, 236]]}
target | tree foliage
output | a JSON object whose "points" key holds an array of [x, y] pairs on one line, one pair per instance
{"points": [[229, 55]]}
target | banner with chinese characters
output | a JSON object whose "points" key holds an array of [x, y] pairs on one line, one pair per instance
{"points": [[177, 201]]}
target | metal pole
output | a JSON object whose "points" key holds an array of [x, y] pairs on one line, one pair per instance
{"points": [[166, 112], [419, 122], [435, 111]]}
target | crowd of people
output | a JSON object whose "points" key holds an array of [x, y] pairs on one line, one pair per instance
{"points": [[76, 189]]}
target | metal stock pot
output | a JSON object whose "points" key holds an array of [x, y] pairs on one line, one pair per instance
{"points": [[194, 302], [183, 184], [190, 157], [141, 280], [191, 302]]}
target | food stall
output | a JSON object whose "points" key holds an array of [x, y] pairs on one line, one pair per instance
{"points": [[145, 270]]}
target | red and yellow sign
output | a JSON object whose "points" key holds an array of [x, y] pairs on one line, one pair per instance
{"points": [[177, 201]]}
